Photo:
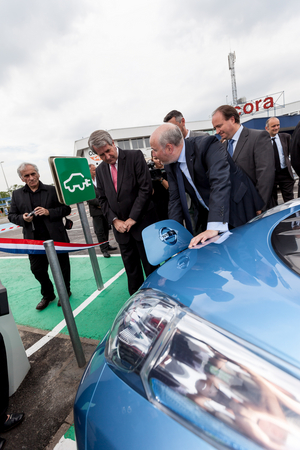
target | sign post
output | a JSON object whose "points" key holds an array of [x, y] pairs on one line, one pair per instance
{"points": [[64, 298], [74, 184]]}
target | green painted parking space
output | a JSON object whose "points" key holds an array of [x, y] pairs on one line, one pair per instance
{"points": [[93, 322]]}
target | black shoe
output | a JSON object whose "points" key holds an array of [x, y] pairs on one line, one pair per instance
{"points": [[106, 254], [2, 443], [110, 248], [13, 421], [44, 303], [69, 294]]}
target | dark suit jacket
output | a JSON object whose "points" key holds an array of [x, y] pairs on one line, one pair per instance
{"points": [[133, 199], [197, 133], [94, 204], [225, 188], [20, 204], [285, 140], [254, 154], [295, 149]]}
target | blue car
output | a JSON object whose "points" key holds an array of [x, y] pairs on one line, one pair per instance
{"points": [[206, 355]]}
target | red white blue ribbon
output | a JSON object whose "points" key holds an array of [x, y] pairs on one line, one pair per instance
{"points": [[32, 247]]}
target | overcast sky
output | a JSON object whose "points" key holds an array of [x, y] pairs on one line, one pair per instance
{"points": [[73, 66]]}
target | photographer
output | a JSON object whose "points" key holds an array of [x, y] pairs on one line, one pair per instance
{"points": [[160, 194]]}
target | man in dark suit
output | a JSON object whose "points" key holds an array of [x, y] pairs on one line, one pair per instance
{"points": [[124, 187], [201, 166], [295, 153], [100, 223], [177, 118], [36, 208], [251, 150], [284, 178]]}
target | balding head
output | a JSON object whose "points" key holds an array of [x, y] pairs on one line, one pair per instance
{"points": [[166, 143], [272, 126]]}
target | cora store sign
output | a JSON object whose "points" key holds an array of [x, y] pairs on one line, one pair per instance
{"points": [[261, 104], [255, 106]]}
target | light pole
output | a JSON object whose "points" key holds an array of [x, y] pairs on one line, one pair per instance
{"points": [[1, 162]]}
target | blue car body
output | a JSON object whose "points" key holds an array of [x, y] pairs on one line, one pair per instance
{"points": [[243, 288]]}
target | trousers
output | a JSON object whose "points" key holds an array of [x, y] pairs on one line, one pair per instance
{"points": [[101, 231], [132, 254], [39, 267]]}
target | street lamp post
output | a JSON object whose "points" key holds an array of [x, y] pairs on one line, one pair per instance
{"points": [[1, 162]]}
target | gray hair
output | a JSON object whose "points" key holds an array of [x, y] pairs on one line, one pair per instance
{"points": [[268, 121], [171, 135], [99, 139], [23, 167]]}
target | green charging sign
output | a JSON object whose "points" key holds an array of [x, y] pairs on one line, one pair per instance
{"points": [[72, 179]]}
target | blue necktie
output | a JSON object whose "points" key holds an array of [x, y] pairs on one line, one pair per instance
{"points": [[230, 146], [183, 201]]}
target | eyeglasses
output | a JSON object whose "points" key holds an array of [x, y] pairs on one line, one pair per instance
{"points": [[33, 174]]}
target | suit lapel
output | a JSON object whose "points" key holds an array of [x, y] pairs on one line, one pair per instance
{"points": [[26, 200], [44, 198], [121, 169], [109, 185], [240, 143], [189, 158], [284, 145]]}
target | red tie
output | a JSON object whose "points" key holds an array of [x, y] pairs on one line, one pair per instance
{"points": [[114, 174]]}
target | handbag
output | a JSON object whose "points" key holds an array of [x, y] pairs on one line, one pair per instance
{"points": [[68, 224]]}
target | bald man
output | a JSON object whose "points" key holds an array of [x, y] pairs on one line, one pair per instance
{"points": [[284, 178]]}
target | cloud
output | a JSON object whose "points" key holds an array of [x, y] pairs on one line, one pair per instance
{"points": [[71, 67]]}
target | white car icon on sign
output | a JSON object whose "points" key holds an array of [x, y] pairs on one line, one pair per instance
{"points": [[77, 180]]}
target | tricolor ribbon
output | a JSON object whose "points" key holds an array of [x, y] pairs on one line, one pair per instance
{"points": [[32, 247]]}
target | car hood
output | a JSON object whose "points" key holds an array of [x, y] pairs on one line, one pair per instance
{"points": [[241, 286]]}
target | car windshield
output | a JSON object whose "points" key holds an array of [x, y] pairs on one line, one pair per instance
{"points": [[286, 241], [277, 209]]}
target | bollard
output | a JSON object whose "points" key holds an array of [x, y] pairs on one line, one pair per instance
{"points": [[89, 240], [65, 303]]}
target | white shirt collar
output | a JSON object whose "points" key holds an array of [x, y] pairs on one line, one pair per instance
{"points": [[236, 136]]}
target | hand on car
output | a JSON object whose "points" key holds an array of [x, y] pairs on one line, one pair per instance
{"points": [[202, 237]]}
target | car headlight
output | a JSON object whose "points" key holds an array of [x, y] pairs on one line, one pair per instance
{"points": [[220, 387], [137, 327]]}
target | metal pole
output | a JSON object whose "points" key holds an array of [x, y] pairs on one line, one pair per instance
{"points": [[64, 299], [89, 240], [1, 162]]}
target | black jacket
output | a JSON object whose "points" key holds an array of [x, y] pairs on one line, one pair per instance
{"points": [[20, 204], [227, 191], [133, 198]]}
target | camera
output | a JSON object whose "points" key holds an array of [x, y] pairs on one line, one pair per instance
{"points": [[32, 213], [156, 174]]}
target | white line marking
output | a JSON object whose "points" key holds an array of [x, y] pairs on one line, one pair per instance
{"points": [[65, 444], [39, 344]]}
